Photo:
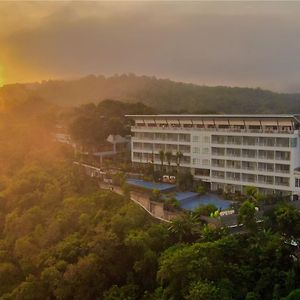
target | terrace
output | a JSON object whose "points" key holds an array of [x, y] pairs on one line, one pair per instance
{"points": [[187, 200]]}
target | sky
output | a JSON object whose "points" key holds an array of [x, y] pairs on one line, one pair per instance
{"points": [[254, 44]]}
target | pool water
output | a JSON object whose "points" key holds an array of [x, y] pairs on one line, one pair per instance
{"points": [[151, 185], [191, 203]]}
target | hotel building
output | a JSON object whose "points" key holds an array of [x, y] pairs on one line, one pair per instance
{"points": [[229, 152]]}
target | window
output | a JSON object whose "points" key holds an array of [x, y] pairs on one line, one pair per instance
{"points": [[205, 150], [297, 182], [293, 142], [196, 161], [196, 150], [195, 138], [206, 139], [205, 162]]}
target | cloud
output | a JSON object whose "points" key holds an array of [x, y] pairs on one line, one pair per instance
{"points": [[233, 43]]}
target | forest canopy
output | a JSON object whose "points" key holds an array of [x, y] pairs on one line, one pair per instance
{"points": [[61, 237], [162, 94]]}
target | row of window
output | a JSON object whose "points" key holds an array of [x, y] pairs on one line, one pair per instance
{"points": [[255, 141], [174, 137], [198, 150], [252, 178], [251, 153], [201, 139], [198, 161], [158, 146], [246, 165]]}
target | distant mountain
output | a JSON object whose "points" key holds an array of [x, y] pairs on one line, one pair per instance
{"points": [[162, 94]]}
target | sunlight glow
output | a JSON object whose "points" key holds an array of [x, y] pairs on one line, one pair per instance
{"points": [[1, 76]]}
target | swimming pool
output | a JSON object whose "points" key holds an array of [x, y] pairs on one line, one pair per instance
{"points": [[191, 203], [151, 185]]}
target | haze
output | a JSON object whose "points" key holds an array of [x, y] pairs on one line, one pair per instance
{"points": [[214, 43]]}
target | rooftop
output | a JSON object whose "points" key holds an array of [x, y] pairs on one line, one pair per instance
{"points": [[217, 116]]}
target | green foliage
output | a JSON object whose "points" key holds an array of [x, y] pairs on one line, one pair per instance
{"points": [[126, 292], [119, 179], [205, 210], [91, 124], [287, 220], [185, 181], [126, 190], [294, 295], [200, 189], [203, 291], [252, 296], [63, 238], [179, 156], [171, 203], [162, 157], [186, 228], [162, 94], [247, 215], [251, 191], [155, 195]]}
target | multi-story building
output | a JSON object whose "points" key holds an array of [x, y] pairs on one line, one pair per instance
{"points": [[229, 152]]}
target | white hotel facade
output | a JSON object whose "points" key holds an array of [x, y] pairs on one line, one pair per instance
{"points": [[229, 152]]}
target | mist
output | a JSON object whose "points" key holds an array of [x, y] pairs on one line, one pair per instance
{"points": [[252, 44]]}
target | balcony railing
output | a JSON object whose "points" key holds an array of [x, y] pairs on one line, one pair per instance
{"points": [[265, 170], [213, 129], [218, 176]]}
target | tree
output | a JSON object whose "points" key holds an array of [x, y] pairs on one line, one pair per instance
{"points": [[179, 157], [171, 203], [126, 190], [162, 159], [293, 295], [201, 189], [247, 215], [287, 220], [126, 292], [251, 191], [253, 194], [205, 210], [185, 181], [155, 195], [168, 156], [203, 291], [186, 228]]}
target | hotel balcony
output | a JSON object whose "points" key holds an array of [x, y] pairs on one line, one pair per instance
{"points": [[218, 163], [199, 127], [233, 176], [282, 181]]}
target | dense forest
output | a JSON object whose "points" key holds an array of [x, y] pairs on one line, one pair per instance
{"points": [[63, 238], [90, 124], [162, 94]]}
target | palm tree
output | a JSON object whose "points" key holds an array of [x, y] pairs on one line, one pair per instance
{"points": [[162, 158], [186, 228], [169, 155], [179, 156], [152, 157]]}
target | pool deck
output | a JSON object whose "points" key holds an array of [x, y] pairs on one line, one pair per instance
{"points": [[188, 200], [163, 187]]}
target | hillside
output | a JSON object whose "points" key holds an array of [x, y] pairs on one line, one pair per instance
{"points": [[162, 94], [61, 237]]}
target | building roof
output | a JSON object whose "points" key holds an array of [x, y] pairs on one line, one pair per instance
{"points": [[294, 118], [273, 116]]}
